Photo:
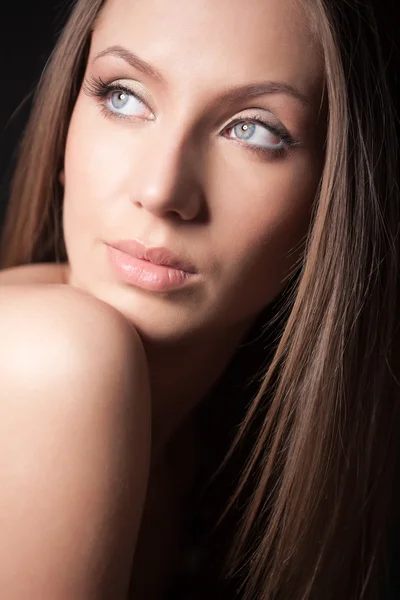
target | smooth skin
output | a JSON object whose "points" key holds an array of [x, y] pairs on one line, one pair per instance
{"points": [[75, 442], [168, 169], [172, 172]]}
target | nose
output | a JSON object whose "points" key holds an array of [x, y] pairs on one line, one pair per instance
{"points": [[167, 181]]}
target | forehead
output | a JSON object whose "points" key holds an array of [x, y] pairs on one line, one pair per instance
{"points": [[216, 42]]}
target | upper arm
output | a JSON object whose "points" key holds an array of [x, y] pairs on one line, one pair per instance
{"points": [[74, 446]]}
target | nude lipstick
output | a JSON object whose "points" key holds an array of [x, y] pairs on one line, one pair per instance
{"points": [[153, 269]]}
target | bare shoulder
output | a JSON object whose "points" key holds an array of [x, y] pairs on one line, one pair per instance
{"points": [[34, 273], [75, 431], [59, 329]]}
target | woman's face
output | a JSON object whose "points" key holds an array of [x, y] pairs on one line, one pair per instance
{"points": [[196, 130]]}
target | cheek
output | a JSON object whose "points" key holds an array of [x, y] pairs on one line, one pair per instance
{"points": [[260, 211], [266, 221], [95, 165]]}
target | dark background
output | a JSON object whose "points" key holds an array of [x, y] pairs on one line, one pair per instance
{"points": [[28, 32]]}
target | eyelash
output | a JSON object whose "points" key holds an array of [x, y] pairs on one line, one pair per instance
{"points": [[97, 88]]}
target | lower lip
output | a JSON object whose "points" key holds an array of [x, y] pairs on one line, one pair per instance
{"points": [[144, 274]]}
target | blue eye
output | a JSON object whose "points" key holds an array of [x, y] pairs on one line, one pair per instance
{"points": [[124, 102], [117, 100], [257, 133]]}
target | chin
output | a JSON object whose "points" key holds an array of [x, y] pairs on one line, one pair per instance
{"points": [[159, 319]]}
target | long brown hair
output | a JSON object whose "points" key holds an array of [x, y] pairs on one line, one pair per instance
{"points": [[324, 459]]}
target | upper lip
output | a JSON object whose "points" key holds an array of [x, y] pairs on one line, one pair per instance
{"points": [[157, 256]]}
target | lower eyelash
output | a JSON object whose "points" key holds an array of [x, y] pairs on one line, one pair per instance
{"points": [[274, 152], [287, 141], [97, 88]]}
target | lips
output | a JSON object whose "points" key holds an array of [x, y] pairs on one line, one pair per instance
{"points": [[155, 256], [151, 269]]}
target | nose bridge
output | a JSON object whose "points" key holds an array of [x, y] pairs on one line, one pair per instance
{"points": [[168, 175]]}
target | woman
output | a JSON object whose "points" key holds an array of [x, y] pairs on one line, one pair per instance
{"points": [[211, 190]]}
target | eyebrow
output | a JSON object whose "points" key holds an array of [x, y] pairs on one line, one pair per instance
{"points": [[232, 96]]}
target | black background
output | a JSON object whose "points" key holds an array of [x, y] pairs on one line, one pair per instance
{"points": [[28, 31]]}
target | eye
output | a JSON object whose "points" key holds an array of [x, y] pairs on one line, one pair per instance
{"points": [[124, 102], [116, 99], [256, 133], [119, 101]]}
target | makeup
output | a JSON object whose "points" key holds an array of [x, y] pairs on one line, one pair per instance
{"points": [[152, 269]]}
